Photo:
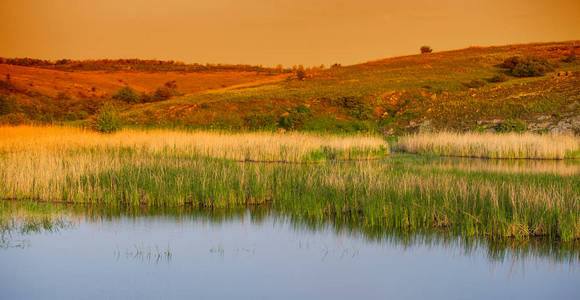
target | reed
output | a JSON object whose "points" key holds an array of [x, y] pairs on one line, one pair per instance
{"points": [[490, 145], [270, 147], [390, 194]]}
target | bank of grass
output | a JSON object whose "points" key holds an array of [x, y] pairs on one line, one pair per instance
{"points": [[118, 171], [291, 147], [491, 145]]}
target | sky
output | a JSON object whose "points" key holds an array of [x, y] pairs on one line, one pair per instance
{"points": [[271, 32]]}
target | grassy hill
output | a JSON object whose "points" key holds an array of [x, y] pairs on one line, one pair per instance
{"points": [[464, 89]]}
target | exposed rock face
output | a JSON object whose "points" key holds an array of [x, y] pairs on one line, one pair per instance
{"points": [[568, 125]]}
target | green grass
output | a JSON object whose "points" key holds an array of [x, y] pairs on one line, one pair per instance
{"points": [[409, 89], [394, 195]]}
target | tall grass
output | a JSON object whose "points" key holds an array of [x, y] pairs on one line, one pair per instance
{"points": [[133, 170], [268, 147], [489, 145]]}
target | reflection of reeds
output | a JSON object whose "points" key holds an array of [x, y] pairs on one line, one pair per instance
{"points": [[496, 250], [145, 253], [488, 145], [559, 167]]}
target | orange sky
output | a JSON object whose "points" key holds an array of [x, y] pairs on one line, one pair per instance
{"points": [[269, 32]]}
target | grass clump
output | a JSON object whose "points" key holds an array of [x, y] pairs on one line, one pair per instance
{"points": [[490, 145], [107, 120]]}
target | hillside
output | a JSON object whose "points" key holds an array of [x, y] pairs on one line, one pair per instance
{"points": [[442, 90]]}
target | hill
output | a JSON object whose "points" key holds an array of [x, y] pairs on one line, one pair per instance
{"points": [[465, 89]]}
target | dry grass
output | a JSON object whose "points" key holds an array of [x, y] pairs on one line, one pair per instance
{"points": [[558, 167], [289, 147], [489, 145]]}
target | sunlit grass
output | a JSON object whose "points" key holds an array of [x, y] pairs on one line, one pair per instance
{"points": [[266, 147], [490, 145]]}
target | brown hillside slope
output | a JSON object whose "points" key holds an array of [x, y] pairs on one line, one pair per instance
{"points": [[443, 90], [89, 84]]}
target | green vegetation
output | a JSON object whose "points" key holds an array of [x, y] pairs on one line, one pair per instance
{"points": [[528, 67], [107, 120], [451, 90], [127, 94], [205, 170]]}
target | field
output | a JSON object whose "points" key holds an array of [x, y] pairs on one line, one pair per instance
{"points": [[214, 170]]}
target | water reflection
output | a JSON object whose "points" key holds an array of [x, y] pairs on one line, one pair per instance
{"points": [[569, 167], [254, 253], [28, 220]]}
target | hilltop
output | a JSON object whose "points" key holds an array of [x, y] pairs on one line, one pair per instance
{"points": [[465, 89]]}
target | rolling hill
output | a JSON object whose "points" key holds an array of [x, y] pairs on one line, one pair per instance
{"points": [[465, 89]]}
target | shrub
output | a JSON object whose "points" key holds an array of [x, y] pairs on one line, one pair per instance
{"points": [[107, 120], [14, 119], [161, 94], [511, 62], [295, 118], [498, 78], [475, 83], [7, 105], [527, 67], [570, 58], [512, 125], [425, 49], [260, 121], [300, 74], [356, 107], [127, 94]]}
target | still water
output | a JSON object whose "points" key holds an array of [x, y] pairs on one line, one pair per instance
{"points": [[244, 256]]}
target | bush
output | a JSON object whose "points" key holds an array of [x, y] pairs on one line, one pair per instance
{"points": [[295, 118], [356, 107], [7, 105], [260, 121], [161, 94], [14, 119], [475, 83], [425, 49], [511, 125], [527, 67], [510, 63], [300, 74], [570, 58], [498, 78], [107, 120], [127, 94]]}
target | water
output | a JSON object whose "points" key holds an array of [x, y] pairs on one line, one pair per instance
{"points": [[262, 255]]}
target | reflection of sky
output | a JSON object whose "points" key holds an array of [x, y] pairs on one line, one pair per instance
{"points": [[269, 260]]}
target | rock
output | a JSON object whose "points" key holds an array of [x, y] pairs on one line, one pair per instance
{"points": [[542, 118]]}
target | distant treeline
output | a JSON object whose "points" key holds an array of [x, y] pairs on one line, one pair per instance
{"points": [[143, 65]]}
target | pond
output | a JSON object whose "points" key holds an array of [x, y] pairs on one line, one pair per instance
{"points": [[260, 254]]}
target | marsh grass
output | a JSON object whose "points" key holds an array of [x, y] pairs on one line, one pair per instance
{"points": [[395, 194], [263, 146], [490, 145]]}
